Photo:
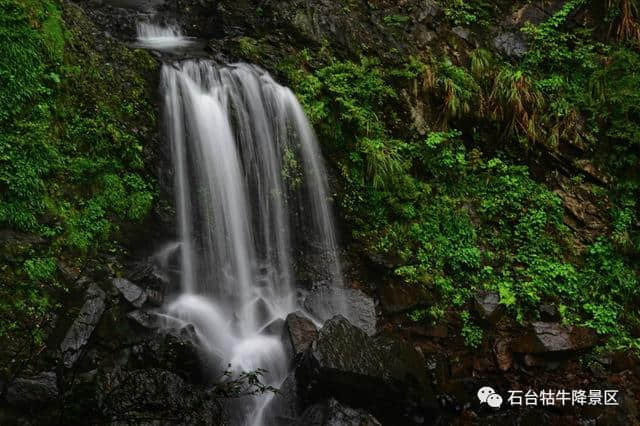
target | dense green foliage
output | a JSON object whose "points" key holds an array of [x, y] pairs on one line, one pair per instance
{"points": [[456, 210], [71, 166]]}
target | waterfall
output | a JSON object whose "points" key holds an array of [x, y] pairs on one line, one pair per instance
{"points": [[168, 37], [250, 186]]}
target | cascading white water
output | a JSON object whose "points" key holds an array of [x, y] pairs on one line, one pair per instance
{"points": [[235, 136], [161, 37]]}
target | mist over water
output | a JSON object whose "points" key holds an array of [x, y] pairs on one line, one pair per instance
{"points": [[250, 185]]}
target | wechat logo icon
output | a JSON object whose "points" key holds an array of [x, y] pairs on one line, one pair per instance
{"points": [[489, 396]]}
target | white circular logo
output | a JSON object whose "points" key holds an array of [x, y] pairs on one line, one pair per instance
{"points": [[494, 400], [484, 393], [488, 395]]}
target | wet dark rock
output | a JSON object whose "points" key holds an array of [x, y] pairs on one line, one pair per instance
{"points": [[298, 333], [141, 339], [131, 292], [174, 346], [545, 337], [511, 44], [148, 275], [144, 319], [179, 351], [154, 298], [202, 18], [284, 408], [325, 302], [80, 331], [549, 313], [488, 306], [384, 375], [39, 389], [529, 13], [326, 20], [397, 297], [144, 394], [274, 328], [186, 333], [332, 413]]}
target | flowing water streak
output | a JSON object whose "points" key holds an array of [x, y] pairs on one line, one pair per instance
{"points": [[168, 37], [230, 129]]}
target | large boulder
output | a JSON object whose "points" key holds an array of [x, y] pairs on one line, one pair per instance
{"points": [[387, 376], [131, 292], [297, 334], [325, 302], [144, 394], [144, 319], [548, 337], [149, 275], [511, 44], [274, 328], [332, 413], [172, 346], [35, 390], [80, 331]]}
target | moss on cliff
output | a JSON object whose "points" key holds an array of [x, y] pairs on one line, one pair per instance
{"points": [[76, 113], [466, 172]]}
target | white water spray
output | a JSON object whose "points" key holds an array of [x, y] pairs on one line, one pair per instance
{"points": [[169, 37]]}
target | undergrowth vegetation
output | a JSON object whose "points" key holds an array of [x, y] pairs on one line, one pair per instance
{"points": [[71, 160], [456, 209]]}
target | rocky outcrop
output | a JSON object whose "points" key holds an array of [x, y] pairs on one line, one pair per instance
{"points": [[131, 292], [581, 214], [274, 328], [148, 275], [326, 19], [548, 337], [511, 44], [298, 333], [385, 375], [488, 306], [33, 391], [78, 335], [325, 302], [135, 397]]}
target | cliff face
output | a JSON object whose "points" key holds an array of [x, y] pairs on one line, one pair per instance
{"points": [[486, 205]]}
